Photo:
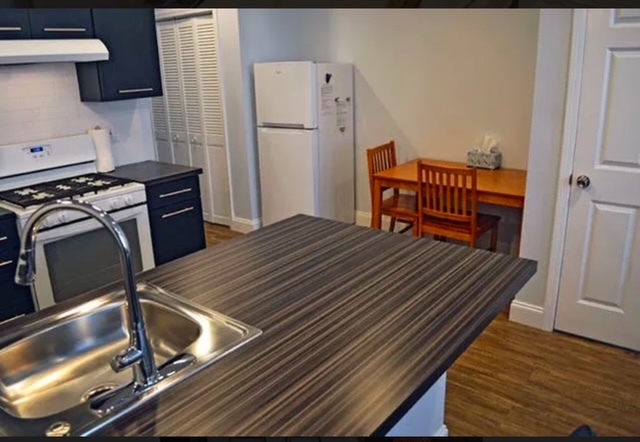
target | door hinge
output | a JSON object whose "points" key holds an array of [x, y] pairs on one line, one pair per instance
{"points": [[570, 179]]}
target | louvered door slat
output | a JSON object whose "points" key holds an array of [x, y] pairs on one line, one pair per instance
{"points": [[189, 59], [212, 109], [169, 56]]}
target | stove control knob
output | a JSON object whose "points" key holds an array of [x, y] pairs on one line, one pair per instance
{"points": [[113, 204], [63, 218], [128, 200]]}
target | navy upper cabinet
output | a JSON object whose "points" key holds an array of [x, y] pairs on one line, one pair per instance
{"points": [[14, 23], [61, 23], [133, 68]]}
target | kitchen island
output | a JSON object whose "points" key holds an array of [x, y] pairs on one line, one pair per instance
{"points": [[359, 327]]}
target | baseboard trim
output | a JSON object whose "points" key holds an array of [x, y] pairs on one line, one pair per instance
{"points": [[527, 314], [443, 431], [244, 225], [223, 220]]}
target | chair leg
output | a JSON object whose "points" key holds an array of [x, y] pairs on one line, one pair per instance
{"points": [[494, 239], [416, 229], [392, 224]]}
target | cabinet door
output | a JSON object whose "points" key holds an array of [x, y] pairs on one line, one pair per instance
{"points": [[14, 24], [61, 23], [133, 68], [177, 230], [15, 299]]}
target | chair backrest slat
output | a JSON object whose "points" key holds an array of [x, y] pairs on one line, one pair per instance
{"points": [[380, 158], [448, 193]]}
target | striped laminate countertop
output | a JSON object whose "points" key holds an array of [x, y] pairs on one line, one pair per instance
{"points": [[358, 324]]}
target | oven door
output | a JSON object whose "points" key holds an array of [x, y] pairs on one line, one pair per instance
{"points": [[75, 258]]}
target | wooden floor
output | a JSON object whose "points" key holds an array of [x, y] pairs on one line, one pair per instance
{"points": [[215, 233], [520, 381]]}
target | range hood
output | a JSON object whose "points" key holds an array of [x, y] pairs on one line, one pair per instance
{"points": [[52, 51]]}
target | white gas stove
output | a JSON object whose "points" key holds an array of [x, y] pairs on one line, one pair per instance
{"points": [[73, 252], [34, 173]]}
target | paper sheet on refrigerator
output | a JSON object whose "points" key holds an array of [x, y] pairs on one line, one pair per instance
{"points": [[326, 99], [343, 114]]}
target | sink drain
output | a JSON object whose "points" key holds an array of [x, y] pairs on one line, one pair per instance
{"points": [[59, 429], [98, 391]]}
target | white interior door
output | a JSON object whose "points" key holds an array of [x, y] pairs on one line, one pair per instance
{"points": [[288, 173], [600, 284]]}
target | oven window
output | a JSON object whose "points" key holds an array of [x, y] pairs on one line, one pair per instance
{"points": [[88, 260]]}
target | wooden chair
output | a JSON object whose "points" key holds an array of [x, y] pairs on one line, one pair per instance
{"points": [[448, 205], [401, 207]]}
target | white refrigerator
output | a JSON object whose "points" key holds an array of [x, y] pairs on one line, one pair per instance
{"points": [[305, 140]]}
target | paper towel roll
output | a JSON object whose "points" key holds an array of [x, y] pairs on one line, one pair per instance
{"points": [[102, 144]]}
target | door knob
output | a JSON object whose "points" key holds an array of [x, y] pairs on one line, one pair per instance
{"points": [[583, 181]]}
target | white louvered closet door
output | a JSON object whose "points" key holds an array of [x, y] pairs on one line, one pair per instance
{"points": [[173, 94], [213, 116], [193, 104], [196, 101], [159, 104]]}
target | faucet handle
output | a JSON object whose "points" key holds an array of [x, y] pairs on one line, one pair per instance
{"points": [[125, 359], [26, 269]]}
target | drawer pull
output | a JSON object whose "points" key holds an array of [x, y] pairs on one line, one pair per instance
{"points": [[177, 192], [3, 238], [6, 263], [11, 319], [133, 91], [10, 28], [64, 29], [177, 212]]}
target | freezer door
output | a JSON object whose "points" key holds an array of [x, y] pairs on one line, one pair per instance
{"points": [[286, 94], [288, 173]]}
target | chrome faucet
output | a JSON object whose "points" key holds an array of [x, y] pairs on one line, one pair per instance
{"points": [[139, 354]]}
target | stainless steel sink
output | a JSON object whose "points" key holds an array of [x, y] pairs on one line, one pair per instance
{"points": [[55, 372]]}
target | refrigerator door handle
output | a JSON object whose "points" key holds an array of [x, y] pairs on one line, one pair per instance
{"points": [[283, 125]]}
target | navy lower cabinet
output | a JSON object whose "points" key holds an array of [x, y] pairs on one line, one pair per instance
{"points": [[14, 24], [175, 217], [133, 68], [15, 300]]}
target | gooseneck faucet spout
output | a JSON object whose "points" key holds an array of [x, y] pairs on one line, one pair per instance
{"points": [[139, 354]]}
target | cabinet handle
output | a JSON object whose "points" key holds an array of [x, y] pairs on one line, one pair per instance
{"points": [[133, 91], [3, 238], [177, 192], [6, 263], [11, 28], [64, 29], [177, 212], [11, 319]]}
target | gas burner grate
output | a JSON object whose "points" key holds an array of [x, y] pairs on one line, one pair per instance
{"points": [[61, 189]]}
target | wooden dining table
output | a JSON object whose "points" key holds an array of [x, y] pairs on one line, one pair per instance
{"points": [[500, 187]]}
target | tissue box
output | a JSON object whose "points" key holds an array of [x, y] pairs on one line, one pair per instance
{"points": [[482, 160]]}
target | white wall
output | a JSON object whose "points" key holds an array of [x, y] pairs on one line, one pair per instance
{"points": [[433, 80], [43, 101], [547, 126], [249, 36], [436, 80]]}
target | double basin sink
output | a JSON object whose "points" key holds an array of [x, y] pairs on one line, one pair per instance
{"points": [[55, 373]]}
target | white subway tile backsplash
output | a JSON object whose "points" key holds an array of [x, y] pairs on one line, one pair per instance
{"points": [[40, 101]]}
